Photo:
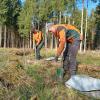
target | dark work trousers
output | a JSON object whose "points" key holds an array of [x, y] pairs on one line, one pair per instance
{"points": [[69, 57], [38, 48]]}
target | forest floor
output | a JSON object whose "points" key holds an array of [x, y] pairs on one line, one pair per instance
{"points": [[24, 78]]}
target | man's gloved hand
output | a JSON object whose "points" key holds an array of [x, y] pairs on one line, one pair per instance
{"points": [[56, 58]]}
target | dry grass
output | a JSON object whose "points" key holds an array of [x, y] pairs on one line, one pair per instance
{"points": [[24, 78]]}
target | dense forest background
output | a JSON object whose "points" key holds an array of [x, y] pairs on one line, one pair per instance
{"points": [[17, 20]]}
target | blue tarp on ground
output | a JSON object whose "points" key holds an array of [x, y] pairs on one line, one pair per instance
{"points": [[83, 83]]}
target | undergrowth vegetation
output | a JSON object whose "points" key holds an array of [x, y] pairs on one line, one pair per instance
{"points": [[24, 78]]}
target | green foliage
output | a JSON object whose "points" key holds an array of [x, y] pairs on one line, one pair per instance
{"points": [[31, 71], [76, 17], [43, 92], [43, 10], [9, 11], [97, 35], [58, 5], [25, 92], [13, 12], [25, 18], [3, 11]]}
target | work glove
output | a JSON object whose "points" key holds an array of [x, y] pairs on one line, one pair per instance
{"points": [[56, 58]]}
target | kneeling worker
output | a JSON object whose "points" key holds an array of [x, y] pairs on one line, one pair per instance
{"points": [[69, 39], [39, 42]]}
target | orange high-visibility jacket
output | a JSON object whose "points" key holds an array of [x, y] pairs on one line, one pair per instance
{"points": [[59, 32], [37, 37]]}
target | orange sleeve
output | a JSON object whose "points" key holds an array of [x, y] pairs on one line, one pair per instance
{"points": [[34, 37], [61, 42]]}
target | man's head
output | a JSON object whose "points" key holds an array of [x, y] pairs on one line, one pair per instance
{"points": [[53, 29]]}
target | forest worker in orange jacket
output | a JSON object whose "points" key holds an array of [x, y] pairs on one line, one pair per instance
{"points": [[69, 40], [39, 42]]}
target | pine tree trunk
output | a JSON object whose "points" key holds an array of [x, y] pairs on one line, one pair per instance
{"points": [[15, 40], [68, 20], [92, 39], [18, 39], [57, 19], [33, 44], [24, 50], [30, 40], [0, 34], [65, 19], [26, 43], [20, 42], [7, 38], [38, 25], [60, 17], [81, 44], [73, 22], [5, 30], [85, 32], [46, 32], [23, 43], [12, 39], [52, 41]]}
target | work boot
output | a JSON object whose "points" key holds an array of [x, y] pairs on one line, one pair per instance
{"points": [[38, 57], [66, 75]]}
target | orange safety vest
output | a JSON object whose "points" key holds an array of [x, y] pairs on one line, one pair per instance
{"points": [[37, 37], [60, 34]]}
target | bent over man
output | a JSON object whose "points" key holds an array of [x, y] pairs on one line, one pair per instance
{"points": [[69, 40]]}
